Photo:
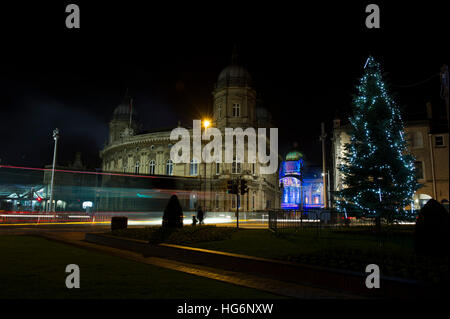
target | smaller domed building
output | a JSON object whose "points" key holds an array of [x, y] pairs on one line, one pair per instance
{"points": [[302, 187]]}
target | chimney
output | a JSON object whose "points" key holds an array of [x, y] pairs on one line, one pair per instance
{"points": [[429, 111]]}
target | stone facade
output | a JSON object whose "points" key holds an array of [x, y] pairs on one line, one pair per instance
{"points": [[235, 105]]}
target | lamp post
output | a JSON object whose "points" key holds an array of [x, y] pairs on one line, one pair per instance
{"points": [[206, 124], [55, 137]]}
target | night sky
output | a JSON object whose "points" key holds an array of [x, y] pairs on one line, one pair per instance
{"points": [[305, 62]]}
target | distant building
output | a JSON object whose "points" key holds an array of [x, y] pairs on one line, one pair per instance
{"points": [[428, 143]]}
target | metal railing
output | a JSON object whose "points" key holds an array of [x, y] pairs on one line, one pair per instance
{"points": [[298, 219]]}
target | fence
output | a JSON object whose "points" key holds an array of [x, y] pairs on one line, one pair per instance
{"points": [[285, 219]]}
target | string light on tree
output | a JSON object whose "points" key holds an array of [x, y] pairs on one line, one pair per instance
{"points": [[377, 164]]}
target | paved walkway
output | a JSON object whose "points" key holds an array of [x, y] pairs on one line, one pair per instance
{"points": [[293, 290]]}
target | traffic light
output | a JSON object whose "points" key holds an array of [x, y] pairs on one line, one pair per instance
{"points": [[39, 199], [232, 187], [244, 188]]}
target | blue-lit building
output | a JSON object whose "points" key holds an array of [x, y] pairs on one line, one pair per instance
{"points": [[302, 187]]}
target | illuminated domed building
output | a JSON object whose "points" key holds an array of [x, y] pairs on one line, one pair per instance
{"points": [[302, 186]]}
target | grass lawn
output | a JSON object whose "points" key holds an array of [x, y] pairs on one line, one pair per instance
{"points": [[32, 267], [351, 249], [347, 248]]}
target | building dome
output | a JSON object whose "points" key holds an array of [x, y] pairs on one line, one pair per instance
{"points": [[294, 156], [122, 111], [234, 74]]}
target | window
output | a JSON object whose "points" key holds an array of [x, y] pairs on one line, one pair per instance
{"points": [[439, 141], [217, 168], [236, 110], [235, 167], [316, 199], [254, 200], [193, 169], [419, 169], [233, 201], [169, 167], [253, 168], [217, 201], [152, 147], [151, 167], [416, 140], [124, 169], [136, 168]]}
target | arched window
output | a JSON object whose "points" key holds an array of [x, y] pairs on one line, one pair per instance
{"points": [[151, 167], [136, 168], [217, 168], [169, 167], [193, 169], [236, 110]]}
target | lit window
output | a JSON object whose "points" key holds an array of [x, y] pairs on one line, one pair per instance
{"points": [[236, 110], [136, 168], [217, 168], [151, 167], [193, 171], [169, 167]]}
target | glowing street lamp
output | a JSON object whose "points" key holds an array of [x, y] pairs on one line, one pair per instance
{"points": [[206, 123], [50, 207]]}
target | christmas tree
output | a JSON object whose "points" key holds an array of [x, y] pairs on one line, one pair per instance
{"points": [[378, 170]]}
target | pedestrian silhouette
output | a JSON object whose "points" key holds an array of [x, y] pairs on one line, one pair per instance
{"points": [[200, 215]]}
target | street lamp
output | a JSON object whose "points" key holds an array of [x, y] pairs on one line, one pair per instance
{"points": [[206, 124], [55, 137]]}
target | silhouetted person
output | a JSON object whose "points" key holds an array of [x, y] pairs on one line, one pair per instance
{"points": [[200, 215], [173, 214], [194, 220]]}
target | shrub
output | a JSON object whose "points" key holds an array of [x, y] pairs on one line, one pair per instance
{"points": [[431, 231], [173, 214]]}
